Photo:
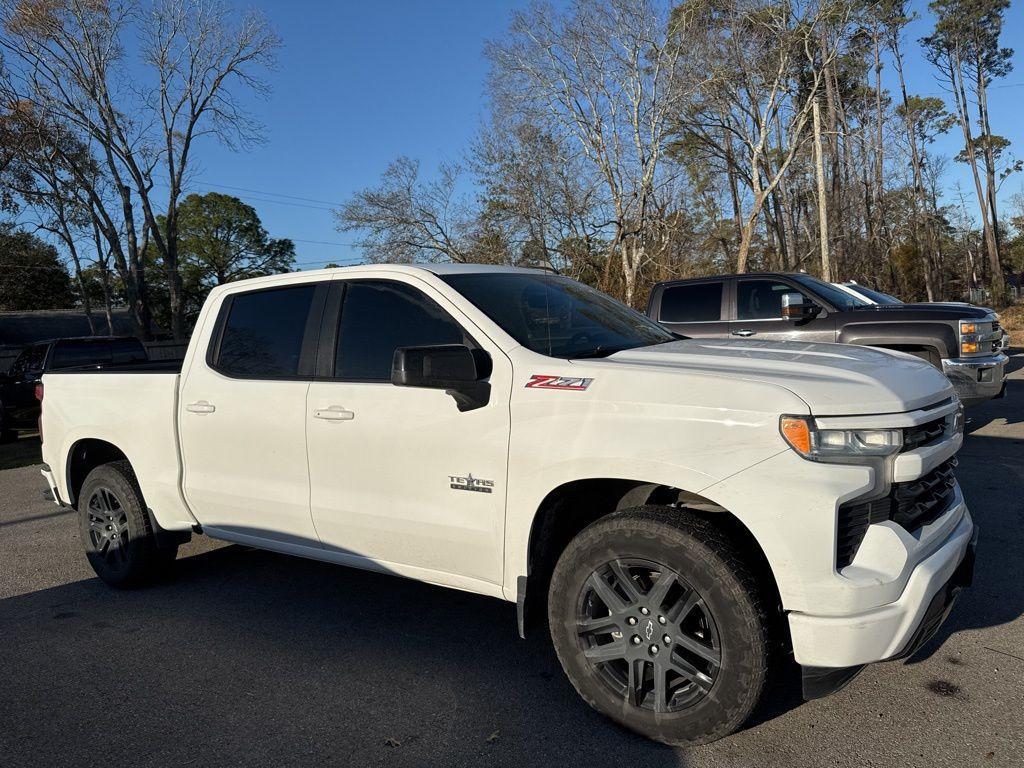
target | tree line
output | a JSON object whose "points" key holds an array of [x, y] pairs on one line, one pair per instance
{"points": [[625, 142], [102, 103], [630, 141]]}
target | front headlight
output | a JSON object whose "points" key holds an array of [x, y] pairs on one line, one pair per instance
{"points": [[972, 333], [803, 436]]}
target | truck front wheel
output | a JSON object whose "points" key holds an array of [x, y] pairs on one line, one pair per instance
{"points": [[116, 530], [659, 625]]}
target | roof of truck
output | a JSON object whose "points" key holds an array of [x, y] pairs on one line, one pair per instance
{"points": [[726, 276]]}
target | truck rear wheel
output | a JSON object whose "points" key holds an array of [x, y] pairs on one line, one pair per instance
{"points": [[116, 530], [660, 626]]}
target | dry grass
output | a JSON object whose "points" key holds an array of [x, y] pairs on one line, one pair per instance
{"points": [[1012, 319]]}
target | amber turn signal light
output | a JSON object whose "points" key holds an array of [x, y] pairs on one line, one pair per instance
{"points": [[797, 433]]}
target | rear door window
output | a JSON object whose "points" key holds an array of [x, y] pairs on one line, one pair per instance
{"points": [[698, 303], [263, 333], [71, 354], [127, 351]]}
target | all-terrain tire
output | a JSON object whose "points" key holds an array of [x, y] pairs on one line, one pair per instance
{"points": [[729, 626], [116, 530]]}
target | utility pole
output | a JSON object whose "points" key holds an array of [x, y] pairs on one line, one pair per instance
{"points": [[819, 167]]}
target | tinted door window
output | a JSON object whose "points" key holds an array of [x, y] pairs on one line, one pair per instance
{"points": [[263, 333], [127, 351], [378, 317], [691, 303], [70, 354], [29, 361], [760, 299]]}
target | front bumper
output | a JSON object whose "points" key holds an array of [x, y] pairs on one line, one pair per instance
{"points": [[896, 629], [976, 379], [824, 681]]}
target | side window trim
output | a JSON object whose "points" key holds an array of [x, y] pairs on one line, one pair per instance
{"points": [[330, 326], [330, 330], [310, 336]]}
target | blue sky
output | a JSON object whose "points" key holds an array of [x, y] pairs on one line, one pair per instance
{"points": [[359, 83]]}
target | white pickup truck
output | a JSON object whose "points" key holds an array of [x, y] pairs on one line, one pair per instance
{"points": [[680, 513]]}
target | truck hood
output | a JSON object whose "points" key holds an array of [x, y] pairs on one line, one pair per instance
{"points": [[937, 311], [833, 379]]}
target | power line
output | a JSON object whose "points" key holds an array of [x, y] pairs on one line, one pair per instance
{"points": [[327, 243], [165, 185], [273, 194]]}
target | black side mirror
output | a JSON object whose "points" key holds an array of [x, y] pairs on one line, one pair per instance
{"points": [[455, 368], [796, 307]]}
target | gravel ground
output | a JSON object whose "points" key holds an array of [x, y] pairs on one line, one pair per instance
{"points": [[250, 658]]}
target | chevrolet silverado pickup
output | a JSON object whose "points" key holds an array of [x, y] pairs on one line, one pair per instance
{"points": [[962, 341], [680, 514]]}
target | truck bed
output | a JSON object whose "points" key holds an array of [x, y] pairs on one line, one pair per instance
{"points": [[137, 413]]}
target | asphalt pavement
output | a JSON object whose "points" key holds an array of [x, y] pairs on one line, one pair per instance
{"points": [[251, 658]]}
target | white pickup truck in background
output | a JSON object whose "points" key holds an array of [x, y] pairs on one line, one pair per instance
{"points": [[676, 511]]}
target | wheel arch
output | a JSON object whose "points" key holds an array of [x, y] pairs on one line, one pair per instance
{"points": [[569, 508], [83, 457], [934, 336]]}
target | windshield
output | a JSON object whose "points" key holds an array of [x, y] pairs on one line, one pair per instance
{"points": [[877, 296], [837, 297], [556, 316]]}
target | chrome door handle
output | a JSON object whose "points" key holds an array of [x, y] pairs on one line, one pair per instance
{"points": [[334, 413], [744, 333], [201, 407]]}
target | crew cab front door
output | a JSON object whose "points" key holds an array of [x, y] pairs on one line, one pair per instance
{"points": [[758, 313], [400, 479]]}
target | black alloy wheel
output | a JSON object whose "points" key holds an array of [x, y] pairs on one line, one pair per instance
{"points": [[649, 635], [660, 622], [117, 532], [108, 527]]}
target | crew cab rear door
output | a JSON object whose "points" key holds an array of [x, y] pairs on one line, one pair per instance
{"points": [[242, 409], [758, 312], [400, 478]]}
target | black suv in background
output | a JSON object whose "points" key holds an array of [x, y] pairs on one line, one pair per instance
{"points": [[19, 408], [961, 340]]}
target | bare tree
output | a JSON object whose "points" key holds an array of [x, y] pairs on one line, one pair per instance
{"points": [[538, 193], [404, 219], [198, 55], [609, 77], [66, 59], [767, 62], [964, 49]]}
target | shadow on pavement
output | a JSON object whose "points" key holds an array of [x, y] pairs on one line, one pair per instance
{"points": [[22, 452], [250, 653], [992, 490]]}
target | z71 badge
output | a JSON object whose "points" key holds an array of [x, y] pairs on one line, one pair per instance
{"points": [[540, 381]]}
